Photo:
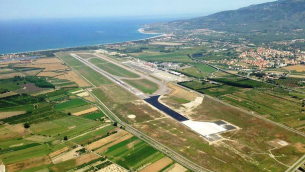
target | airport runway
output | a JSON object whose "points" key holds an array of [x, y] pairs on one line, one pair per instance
{"points": [[111, 77]]}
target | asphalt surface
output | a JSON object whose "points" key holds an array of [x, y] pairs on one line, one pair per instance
{"points": [[154, 101]]}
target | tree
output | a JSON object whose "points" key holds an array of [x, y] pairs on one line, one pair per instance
{"points": [[66, 138], [69, 113], [26, 125], [115, 124]]}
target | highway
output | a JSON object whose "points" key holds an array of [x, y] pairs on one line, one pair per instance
{"points": [[162, 148]]}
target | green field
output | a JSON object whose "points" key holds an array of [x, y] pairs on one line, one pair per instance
{"points": [[94, 116], [135, 157], [143, 85], [68, 126], [85, 139], [79, 108], [113, 69], [192, 72], [51, 129], [70, 60], [291, 82], [197, 70], [70, 104], [94, 77], [204, 68], [25, 154], [11, 84]]}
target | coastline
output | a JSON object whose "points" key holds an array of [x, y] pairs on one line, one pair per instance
{"points": [[141, 30]]}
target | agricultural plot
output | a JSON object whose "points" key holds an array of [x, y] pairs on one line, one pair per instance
{"points": [[133, 153], [297, 68], [143, 85], [211, 89], [70, 104], [62, 83], [73, 77], [11, 75], [291, 82], [4, 115], [46, 66], [113, 69], [11, 84], [98, 134], [94, 116], [43, 113], [68, 126], [23, 154], [33, 148], [12, 132]]}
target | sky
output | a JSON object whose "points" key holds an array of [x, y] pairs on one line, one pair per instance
{"points": [[37, 9]]}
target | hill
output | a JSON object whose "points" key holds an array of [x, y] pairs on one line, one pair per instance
{"points": [[282, 15]]}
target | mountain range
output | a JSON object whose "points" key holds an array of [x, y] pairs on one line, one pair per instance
{"points": [[278, 16]]}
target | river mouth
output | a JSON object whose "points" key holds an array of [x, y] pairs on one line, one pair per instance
{"points": [[154, 101]]}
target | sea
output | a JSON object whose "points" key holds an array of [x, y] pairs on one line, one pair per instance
{"points": [[42, 34]]}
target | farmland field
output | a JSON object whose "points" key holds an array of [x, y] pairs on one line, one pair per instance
{"points": [[138, 155], [70, 104], [94, 116], [68, 126]]}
